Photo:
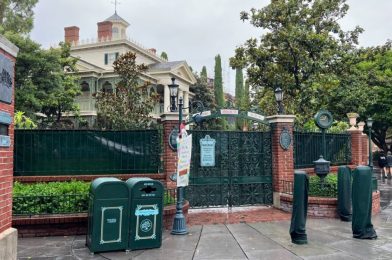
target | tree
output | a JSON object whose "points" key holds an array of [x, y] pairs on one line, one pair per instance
{"points": [[16, 16], [203, 74], [239, 89], [42, 80], [300, 50], [164, 56], [218, 90], [130, 106]]}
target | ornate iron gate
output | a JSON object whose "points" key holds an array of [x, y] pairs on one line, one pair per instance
{"points": [[242, 174]]}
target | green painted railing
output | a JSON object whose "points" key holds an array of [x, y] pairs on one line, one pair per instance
{"points": [[308, 147], [80, 152]]}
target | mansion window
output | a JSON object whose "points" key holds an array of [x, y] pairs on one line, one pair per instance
{"points": [[85, 86], [107, 87], [110, 58]]}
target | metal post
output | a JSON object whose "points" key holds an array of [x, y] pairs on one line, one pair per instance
{"points": [[179, 223], [324, 145]]}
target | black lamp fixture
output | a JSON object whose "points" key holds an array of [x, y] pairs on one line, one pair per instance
{"points": [[173, 95], [279, 98]]}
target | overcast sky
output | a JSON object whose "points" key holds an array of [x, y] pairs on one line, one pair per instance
{"points": [[191, 30]]}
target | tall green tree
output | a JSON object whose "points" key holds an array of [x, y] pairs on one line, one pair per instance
{"points": [[16, 16], [239, 89], [43, 82], [203, 74], [218, 90], [300, 49], [131, 106]]}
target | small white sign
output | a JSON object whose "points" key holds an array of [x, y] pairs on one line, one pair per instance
{"points": [[256, 116], [184, 154], [229, 112]]}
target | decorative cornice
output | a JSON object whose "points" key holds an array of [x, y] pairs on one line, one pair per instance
{"points": [[281, 119], [8, 46], [169, 116]]}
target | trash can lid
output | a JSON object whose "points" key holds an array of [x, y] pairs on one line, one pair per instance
{"points": [[109, 187], [145, 188]]}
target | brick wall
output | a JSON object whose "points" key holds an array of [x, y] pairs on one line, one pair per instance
{"points": [[324, 207], [365, 149], [6, 166]]}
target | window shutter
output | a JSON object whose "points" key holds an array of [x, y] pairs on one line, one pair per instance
{"points": [[106, 59]]}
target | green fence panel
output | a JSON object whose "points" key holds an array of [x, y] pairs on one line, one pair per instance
{"points": [[76, 152], [308, 147]]}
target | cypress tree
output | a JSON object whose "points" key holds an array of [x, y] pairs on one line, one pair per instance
{"points": [[218, 89], [239, 89]]}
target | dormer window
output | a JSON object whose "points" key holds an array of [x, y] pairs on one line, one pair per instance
{"points": [[111, 57]]}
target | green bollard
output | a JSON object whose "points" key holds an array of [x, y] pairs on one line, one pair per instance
{"points": [[344, 193], [362, 204], [300, 208]]}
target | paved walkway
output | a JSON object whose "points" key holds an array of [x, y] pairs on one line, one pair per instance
{"points": [[328, 239]]}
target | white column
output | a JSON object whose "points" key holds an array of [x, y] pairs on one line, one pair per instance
{"points": [[166, 99], [186, 101]]}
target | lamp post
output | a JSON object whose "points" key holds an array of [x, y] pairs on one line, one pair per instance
{"points": [[179, 223], [279, 98], [369, 123]]}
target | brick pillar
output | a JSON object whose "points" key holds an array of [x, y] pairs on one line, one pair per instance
{"points": [[282, 160], [8, 235], [169, 122], [356, 146], [104, 31], [71, 34], [365, 149]]}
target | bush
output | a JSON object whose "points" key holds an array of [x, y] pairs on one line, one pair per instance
{"points": [[56, 198], [330, 186]]}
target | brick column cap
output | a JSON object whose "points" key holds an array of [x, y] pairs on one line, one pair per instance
{"points": [[8, 46], [354, 131], [281, 119], [169, 116]]}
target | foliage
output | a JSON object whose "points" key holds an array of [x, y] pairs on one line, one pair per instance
{"points": [[329, 189], [337, 127], [43, 82], [301, 50], [50, 198], [204, 94], [16, 16], [164, 56], [57, 197], [130, 106], [218, 91], [23, 122], [376, 68]]}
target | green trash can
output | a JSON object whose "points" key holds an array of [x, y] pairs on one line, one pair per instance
{"points": [[108, 215], [146, 210]]}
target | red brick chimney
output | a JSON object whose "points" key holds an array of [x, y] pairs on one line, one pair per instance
{"points": [[71, 34], [104, 30]]}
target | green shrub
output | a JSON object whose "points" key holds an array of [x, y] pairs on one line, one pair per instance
{"points": [[330, 186], [56, 198]]}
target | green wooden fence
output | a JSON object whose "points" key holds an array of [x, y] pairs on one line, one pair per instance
{"points": [[79, 152]]}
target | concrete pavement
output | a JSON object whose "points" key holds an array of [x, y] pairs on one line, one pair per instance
{"points": [[328, 239]]}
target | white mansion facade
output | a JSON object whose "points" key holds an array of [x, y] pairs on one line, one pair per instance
{"points": [[95, 67]]}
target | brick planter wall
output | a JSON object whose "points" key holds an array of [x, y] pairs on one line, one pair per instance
{"points": [[324, 207], [76, 224]]}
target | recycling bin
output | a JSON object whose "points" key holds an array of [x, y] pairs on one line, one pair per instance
{"points": [[108, 215], [146, 210]]}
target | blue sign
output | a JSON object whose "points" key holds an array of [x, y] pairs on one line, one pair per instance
{"points": [[207, 151]]}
